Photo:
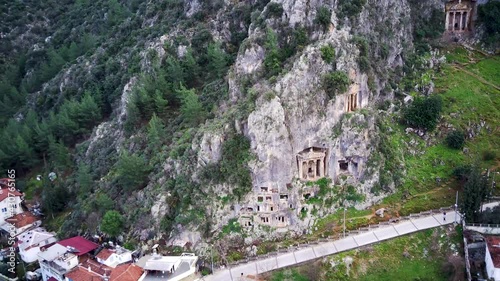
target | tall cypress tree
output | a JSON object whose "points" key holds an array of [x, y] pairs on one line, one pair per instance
{"points": [[476, 191]]}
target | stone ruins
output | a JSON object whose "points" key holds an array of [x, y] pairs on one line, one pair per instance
{"points": [[272, 207]]}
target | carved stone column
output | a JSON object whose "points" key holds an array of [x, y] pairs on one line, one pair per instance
{"points": [[446, 23], [453, 24], [301, 163], [466, 20], [460, 21]]}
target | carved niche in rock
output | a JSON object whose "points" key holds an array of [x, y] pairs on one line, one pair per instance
{"points": [[459, 15], [311, 163]]}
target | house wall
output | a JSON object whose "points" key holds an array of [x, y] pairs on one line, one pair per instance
{"points": [[31, 255], [47, 272], [67, 264], [490, 268], [5, 205], [116, 259]]}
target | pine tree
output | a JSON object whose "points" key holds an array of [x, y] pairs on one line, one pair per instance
{"points": [[156, 133], [217, 61], [132, 171], [84, 179], [59, 154], [272, 61], [88, 113], [191, 109], [39, 132], [73, 51], [133, 116], [161, 104], [143, 100], [24, 154], [54, 198], [191, 68], [174, 73], [103, 202]]}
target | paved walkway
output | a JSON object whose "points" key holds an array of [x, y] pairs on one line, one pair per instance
{"points": [[311, 252]]}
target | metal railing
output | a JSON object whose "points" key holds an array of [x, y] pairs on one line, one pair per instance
{"points": [[339, 236], [483, 225]]}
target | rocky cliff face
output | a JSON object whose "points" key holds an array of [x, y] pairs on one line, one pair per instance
{"points": [[293, 114], [289, 115]]}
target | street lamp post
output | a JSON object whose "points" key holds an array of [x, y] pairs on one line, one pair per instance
{"points": [[212, 259], [344, 218]]}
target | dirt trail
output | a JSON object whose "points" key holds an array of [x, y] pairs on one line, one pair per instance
{"points": [[481, 79]]}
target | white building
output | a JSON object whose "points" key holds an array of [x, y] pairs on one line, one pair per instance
{"points": [[55, 261], [114, 257], [20, 223], [492, 257], [172, 268], [31, 241], [10, 201], [58, 259]]}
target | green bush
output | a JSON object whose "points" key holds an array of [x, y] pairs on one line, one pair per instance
{"points": [[462, 172], [272, 61], [335, 83], [423, 113], [327, 53], [274, 10], [488, 155], [323, 16], [112, 223], [232, 226], [350, 8], [489, 17], [364, 64], [455, 139]]}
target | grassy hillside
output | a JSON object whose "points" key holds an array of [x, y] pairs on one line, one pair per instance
{"points": [[429, 255]]}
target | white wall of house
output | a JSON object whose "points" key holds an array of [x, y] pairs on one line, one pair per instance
{"points": [[48, 272], [66, 263], [31, 254], [491, 270], [116, 259], [6, 210]]}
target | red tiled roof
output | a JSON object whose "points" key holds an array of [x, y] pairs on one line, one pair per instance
{"points": [[22, 219], [494, 248], [51, 279], [96, 267], [126, 272], [82, 274], [104, 254], [6, 192], [81, 244]]}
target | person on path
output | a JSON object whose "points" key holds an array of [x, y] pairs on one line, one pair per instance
{"points": [[444, 216]]}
